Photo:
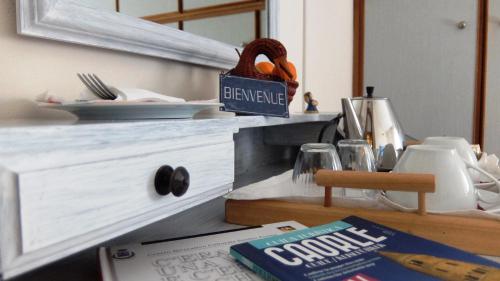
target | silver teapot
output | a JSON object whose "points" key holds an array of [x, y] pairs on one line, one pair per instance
{"points": [[373, 119]]}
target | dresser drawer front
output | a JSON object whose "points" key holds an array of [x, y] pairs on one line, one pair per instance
{"points": [[59, 204]]}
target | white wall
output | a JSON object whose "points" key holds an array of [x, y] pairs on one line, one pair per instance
{"points": [[328, 51], [31, 66], [290, 33], [319, 38]]}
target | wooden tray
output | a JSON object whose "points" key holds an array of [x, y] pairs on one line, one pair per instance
{"points": [[477, 235]]}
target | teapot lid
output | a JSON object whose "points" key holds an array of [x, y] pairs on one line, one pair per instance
{"points": [[369, 95], [369, 91]]}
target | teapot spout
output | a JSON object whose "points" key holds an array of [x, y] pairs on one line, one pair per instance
{"points": [[352, 126]]}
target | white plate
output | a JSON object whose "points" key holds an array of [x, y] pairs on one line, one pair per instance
{"points": [[117, 110]]}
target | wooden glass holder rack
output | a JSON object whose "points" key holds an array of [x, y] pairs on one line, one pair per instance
{"points": [[477, 235]]}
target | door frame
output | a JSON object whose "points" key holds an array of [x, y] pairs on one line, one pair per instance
{"points": [[480, 71]]}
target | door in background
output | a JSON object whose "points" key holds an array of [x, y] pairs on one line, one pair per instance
{"points": [[416, 54], [492, 114]]}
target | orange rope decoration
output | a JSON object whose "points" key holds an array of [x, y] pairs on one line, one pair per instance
{"points": [[276, 53]]}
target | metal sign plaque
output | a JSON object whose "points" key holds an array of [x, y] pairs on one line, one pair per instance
{"points": [[253, 96]]}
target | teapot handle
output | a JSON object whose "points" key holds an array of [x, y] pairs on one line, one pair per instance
{"points": [[334, 124]]}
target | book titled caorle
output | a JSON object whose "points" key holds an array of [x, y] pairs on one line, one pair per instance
{"points": [[354, 249]]}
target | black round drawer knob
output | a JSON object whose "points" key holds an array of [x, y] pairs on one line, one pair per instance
{"points": [[179, 181], [162, 179]]}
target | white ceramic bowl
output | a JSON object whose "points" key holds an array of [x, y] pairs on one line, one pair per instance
{"points": [[454, 187]]}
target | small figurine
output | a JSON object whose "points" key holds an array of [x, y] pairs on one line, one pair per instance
{"points": [[311, 103]]}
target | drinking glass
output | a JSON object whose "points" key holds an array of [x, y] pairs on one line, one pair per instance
{"points": [[357, 155], [311, 158]]}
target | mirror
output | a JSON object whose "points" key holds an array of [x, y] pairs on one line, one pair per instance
{"points": [[203, 32], [234, 22]]}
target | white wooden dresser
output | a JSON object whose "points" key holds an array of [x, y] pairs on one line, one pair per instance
{"points": [[66, 188]]}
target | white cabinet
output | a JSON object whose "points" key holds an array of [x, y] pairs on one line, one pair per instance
{"points": [[70, 187], [66, 188], [62, 203]]}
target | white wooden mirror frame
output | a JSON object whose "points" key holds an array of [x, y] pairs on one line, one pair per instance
{"points": [[70, 21]]}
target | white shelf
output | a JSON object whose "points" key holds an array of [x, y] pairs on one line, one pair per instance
{"points": [[30, 138], [263, 121], [13, 127]]}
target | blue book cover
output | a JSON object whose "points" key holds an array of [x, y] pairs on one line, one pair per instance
{"points": [[355, 249]]}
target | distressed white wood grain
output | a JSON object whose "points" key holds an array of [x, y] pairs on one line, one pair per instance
{"points": [[89, 133], [99, 141], [51, 145], [59, 204], [10, 244], [49, 254], [54, 157]]}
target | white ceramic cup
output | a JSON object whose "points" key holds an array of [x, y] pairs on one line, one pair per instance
{"points": [[454, 187], [465, 151], [460, 144]]}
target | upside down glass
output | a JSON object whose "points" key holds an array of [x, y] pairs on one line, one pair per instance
{"points": [[311, 158], [357, 155]]}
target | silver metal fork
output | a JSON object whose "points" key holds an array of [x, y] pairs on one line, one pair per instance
{"points": [[96, 86]]}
